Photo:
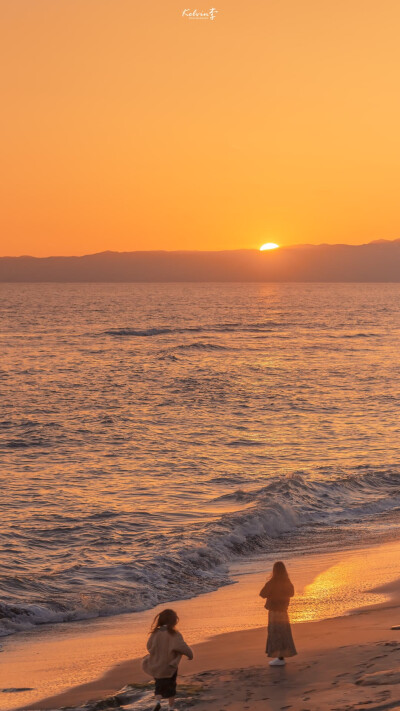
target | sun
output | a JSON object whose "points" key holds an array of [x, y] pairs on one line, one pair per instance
{"points": [[268, 245]]}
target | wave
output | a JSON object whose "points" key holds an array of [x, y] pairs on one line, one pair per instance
{"points": [[266, 326], [149, 331], [27, 443], [354, 335], [199, 345], [285, 506], [173, 352], [245, 443]]}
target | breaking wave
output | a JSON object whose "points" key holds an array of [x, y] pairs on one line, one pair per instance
{"points": [[198, 563]]}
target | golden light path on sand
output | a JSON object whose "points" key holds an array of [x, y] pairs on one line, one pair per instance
{"points": [[353, 582]]}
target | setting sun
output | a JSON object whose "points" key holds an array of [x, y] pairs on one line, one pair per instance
{"points": [[268, 245]]}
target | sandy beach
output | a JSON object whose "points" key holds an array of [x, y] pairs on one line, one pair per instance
{"points": [[344, 662]]}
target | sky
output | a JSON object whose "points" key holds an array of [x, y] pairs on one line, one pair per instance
{"points": [[127, 125]]}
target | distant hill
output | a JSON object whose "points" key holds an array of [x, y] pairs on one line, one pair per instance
{"points": [[377, 261]]}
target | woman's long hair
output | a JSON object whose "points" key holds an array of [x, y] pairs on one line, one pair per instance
{"points": [[166, 618], [279, 572], [279, 581]]}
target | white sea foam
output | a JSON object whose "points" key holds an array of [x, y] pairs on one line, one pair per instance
{"points": [[285, 506]]}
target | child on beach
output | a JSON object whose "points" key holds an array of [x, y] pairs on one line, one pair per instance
{"points": [[166, 647]]}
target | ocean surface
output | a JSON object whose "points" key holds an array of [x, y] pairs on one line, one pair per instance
{"points": [[151, 434]]}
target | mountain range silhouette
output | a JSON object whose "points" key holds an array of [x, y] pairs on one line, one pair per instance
{"points": [[377, 261]]}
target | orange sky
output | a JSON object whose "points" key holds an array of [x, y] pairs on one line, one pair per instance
{"points": [[127, 126]]}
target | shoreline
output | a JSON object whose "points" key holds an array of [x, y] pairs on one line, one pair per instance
{"points": [[91, 661]]}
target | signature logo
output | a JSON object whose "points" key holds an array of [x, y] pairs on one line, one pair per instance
{"points": [[200, 14]]}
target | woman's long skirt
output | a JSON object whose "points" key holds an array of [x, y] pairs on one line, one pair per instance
{"points": [[279, 641]]}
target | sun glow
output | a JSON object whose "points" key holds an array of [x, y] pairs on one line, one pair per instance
{"points": [[268, 245]]}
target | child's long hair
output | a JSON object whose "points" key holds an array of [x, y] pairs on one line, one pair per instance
{"points": [[167, 618]]}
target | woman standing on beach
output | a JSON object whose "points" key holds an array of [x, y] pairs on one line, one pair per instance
{"points": [[278, 590]]}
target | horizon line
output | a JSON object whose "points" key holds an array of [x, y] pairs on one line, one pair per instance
{"points": [[197, 251]]}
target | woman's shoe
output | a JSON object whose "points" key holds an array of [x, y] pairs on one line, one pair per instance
{"points": [[157, 707], [277, 662]]}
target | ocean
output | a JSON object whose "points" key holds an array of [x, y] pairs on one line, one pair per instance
{"points": [[153, 434]]}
